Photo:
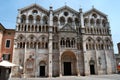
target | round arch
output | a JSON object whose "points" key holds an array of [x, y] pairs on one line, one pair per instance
{"points": [[68, 63], [42, 68]]}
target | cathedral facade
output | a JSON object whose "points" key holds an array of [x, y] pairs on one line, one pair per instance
{"points": [[62, 42]]}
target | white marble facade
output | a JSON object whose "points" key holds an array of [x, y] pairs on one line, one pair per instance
{"points": [[62, 42]]}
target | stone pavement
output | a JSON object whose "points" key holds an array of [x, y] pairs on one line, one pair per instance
{"points": [[91, 77]]}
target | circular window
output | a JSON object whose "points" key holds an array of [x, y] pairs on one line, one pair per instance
{"points": [[34, 11], [66, 13], [94, 15]]}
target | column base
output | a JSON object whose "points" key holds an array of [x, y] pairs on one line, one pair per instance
{"points": [[78, 74], [60, 75], [50, 75]]}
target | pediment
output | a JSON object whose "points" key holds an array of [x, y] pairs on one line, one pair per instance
{"points": [[65, 8], [67, 28], [96, 11], [33, 6]]}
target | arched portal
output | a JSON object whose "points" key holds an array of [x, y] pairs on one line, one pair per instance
{"points": [[92, 67], [42, 69], [68, 63]]}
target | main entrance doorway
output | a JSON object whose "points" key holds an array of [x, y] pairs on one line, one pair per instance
{"points": [[42, 71], [67, 68], [92, 69], [68, 63]]}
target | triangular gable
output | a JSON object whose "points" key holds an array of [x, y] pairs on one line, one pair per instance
{"points": [[95, 10], [67, 8], [34, 6], [67, 28]]}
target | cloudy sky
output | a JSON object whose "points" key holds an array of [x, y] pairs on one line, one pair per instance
{"points": [[9, 10]]}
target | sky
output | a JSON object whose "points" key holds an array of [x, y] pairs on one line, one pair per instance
{"points": [[9, 11]]}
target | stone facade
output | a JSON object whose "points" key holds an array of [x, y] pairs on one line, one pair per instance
{"points": [[62, 42]]}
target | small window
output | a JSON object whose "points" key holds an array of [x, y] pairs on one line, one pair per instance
{"points": [[7, 43], [9, 33], [6, 56], [31, 37], [43, 38]]}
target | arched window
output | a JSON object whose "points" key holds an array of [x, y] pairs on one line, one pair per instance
{"points": [[90, 44], [23, 44], [98, 22], [92, 22], [73, 42], [68, 42], [30, 18], [39, 28], [45, 20], [32, 28], [18, 27], [104, 23], [108, 44], [55, 21], [38, 19], [99, 43], [36, 28], [62, 42], [62, 20], [86, 21], [25, 28], [69, 20], [28, 27], [20, 44], [76, 21], [23, 19]]}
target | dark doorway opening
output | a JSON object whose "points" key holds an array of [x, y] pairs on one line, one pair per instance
{"points": [[92, 69], [67, 68], [42, 71]]}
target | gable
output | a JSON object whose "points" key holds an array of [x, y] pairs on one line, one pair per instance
{"points": [[93, 10], [33, 6], [65, 8], [67, 28]]}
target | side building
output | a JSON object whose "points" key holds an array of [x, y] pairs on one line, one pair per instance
{"points": [[6, 49], [117, 56], [62, 42]]}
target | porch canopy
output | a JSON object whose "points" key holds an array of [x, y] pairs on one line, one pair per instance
{"points": [[7, 64]]}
